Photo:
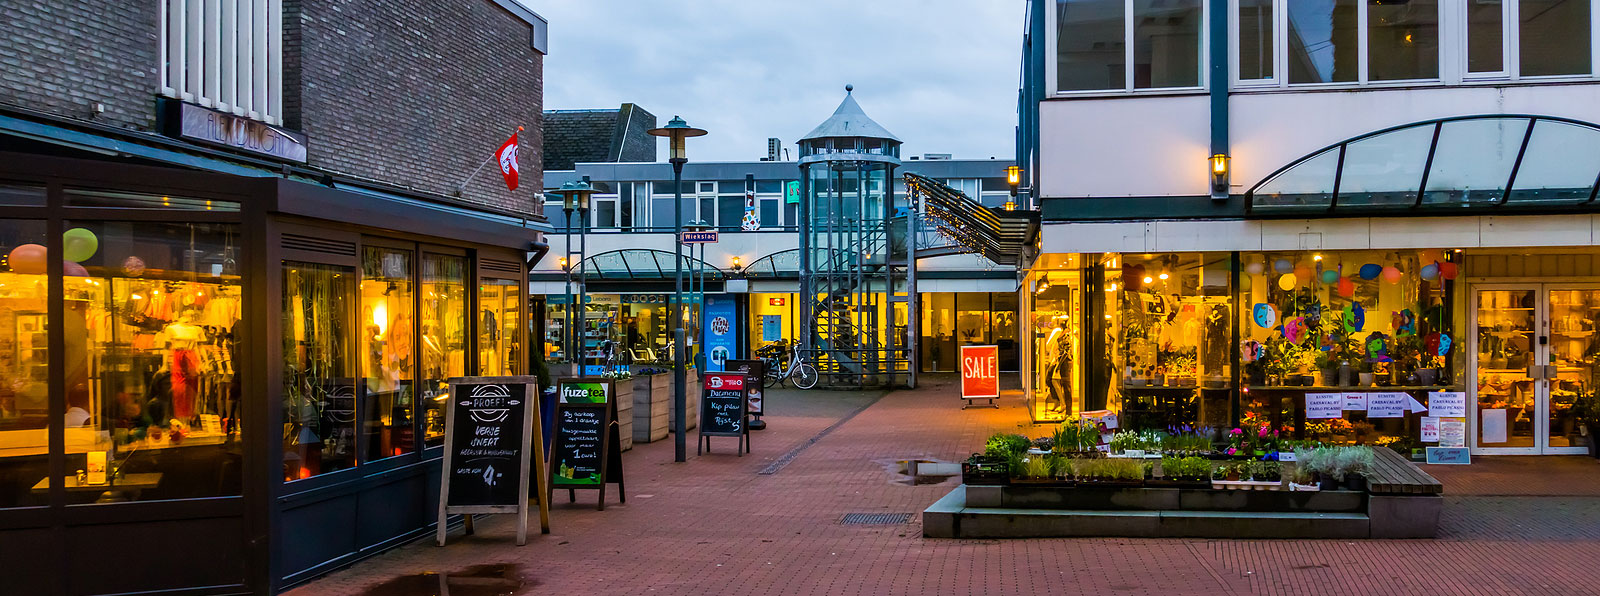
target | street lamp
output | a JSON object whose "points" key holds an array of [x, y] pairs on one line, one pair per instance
{"points": [[676, 131], [575, 196], [1013, 180], [1219, 176], [697, 286]]}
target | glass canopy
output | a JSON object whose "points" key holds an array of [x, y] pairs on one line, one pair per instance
{"points": [[643, 263], [1438, 165]]}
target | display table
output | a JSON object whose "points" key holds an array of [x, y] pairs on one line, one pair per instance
{"points": [[131, 483]]}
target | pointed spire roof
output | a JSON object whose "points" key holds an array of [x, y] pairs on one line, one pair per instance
{"points": [[849, 121]]}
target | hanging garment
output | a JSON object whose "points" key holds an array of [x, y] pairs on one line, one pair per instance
{"points": [[185, 367]]}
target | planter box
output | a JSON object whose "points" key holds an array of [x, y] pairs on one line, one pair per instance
{"points": [[652, 407], [622, 391]]}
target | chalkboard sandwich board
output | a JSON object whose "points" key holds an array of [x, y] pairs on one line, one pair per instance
{"points": [[588, 449], [755, 376], [489, 449], [723, 409]]}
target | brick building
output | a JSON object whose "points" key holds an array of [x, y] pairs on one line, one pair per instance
{"points": [[243, 245]]}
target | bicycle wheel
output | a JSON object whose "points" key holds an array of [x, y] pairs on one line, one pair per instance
{"points": [[805, 376], [773, 379]]}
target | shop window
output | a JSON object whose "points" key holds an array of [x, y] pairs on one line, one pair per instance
{"points": [[151, 316], [388, 353], [1056, 340], [1402, 40], [25, 367], [1555, 37], [21, 196], [1169, 332], [939, 331], [444, 337], [500, 327], [107, 199], [320, 376], [972, 319]]}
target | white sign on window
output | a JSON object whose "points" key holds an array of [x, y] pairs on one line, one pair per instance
{"points": [[1355, 402], [1447, 404], [1324, 405], [1430, 429]]}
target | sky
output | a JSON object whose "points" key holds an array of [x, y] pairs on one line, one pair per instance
{"points": [[940, 74]]}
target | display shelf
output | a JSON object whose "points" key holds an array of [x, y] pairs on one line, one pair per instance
{"points": [[1350, 388]]}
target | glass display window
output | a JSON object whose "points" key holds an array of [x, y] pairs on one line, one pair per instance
{"points": [[1057, 340], [388, 352], [320, 373], [152, 393], [500, 329], [444, 337], [1168, 330], [24, 359]]}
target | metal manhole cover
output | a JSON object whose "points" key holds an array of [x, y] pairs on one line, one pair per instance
{"points": [[875, 519]]}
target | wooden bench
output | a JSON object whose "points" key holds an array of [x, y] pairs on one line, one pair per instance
{"points": [[1393, 474], [1405, 502]]}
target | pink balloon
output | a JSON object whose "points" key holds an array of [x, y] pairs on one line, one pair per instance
{"points": [[1391, 274], [72, 269]]}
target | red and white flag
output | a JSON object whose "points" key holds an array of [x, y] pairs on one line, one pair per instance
{"points": [[507, 157]]}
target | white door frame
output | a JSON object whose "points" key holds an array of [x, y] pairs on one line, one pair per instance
{"points": [[1541, 352], [1544, 445]]}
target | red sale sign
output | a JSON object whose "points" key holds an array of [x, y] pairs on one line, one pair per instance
{"points": [[980, 372]]}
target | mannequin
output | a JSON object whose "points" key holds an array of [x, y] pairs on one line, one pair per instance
{"points": [[1057, 357]]}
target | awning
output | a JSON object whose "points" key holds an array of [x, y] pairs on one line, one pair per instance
{"points": [[1442, 166], [642, 264], [998, 235]]}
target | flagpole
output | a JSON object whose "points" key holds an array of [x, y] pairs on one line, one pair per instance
{"points": [[474, 173]]}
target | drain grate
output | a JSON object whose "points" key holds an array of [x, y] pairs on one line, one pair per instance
{"points": [[875, 519]]}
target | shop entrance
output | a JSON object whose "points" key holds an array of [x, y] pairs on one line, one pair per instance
{"points": [[1535, 359]]}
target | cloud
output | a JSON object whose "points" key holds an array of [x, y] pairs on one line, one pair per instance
{"points": [[939, 74]]}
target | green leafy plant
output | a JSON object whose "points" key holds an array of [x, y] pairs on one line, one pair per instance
{"points": [[1006, 445], [1035, 467]]}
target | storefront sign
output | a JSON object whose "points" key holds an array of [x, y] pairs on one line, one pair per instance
{"points": [[1387, 405], [1447, 404], [721, 331], [1355, 402], [195, 123], [1456, 456], [980, 372], [791, 192], [1452, 432], [489, 439], [775, 301], [1324, 405], [1430, 429], [585, 392], [708, 237]]}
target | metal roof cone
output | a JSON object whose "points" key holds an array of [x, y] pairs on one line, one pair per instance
{"points": [[849, 121]]}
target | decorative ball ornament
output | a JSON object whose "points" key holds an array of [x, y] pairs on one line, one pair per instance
{"points": [[1448, 270], [28, 259], [1255, 268], [1304, 274], [71, 269], [1370, 271], [1430, 271], [79, 245], [1265, 315], [1246, 282], [1346, 288], [1283, 266], [1287, 282], [133, 266], [1330, 277], [1391, 274]]}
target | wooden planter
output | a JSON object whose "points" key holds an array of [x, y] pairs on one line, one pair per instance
{"points": [[652, 407], [622, 391]]}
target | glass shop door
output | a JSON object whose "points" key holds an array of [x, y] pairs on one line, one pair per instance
{"points": [[1535, 352]]}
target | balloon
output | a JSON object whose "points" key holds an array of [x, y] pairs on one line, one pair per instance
{"points": [[1430, 343], [72, 269], [1330, 277], [1266, 316], [1287, 282], [1283, 266], [28, 259], [79, 244], [1304, 273], [1346, 288], [1430, 271], [133, 266], [1255, 268], [1370, 271], [1448, 270], [1391, 274]]}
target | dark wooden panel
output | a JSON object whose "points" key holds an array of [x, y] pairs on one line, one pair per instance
{"points": [[316, 532], [31, 554], [390, 510], [150, 556]]}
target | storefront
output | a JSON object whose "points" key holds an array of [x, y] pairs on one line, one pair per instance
{"points": [[236, 371], [954, 319]]}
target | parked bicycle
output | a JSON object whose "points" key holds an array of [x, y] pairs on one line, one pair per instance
{"points": [[784, 364]]}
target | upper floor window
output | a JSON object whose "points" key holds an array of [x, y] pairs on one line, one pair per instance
{"points": [[224, 55], [1126, 45], [1359, 42]]}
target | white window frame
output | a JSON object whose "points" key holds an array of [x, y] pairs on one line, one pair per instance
{"points": [[1053, 86], [594, 212], [1508, 13]]}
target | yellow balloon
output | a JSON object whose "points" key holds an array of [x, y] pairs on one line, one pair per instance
{"points": [[1288, 281]]}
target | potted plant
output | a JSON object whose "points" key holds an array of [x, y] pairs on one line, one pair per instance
{"points": [[1354, 462], [1329, 367], [1366, 376]]}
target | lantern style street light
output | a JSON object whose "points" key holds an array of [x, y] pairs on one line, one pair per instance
{"points": [[676, 131], [575, 197]]}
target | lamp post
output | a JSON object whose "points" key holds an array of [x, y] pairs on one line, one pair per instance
{"points": [[697, 290], [575, 196], [676, 131], [1013, 180]]}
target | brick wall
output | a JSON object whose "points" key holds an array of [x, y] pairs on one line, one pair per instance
{"points": [[62, 57], [418, 93]]}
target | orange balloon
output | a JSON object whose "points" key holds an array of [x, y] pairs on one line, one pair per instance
{"points": [[1346, 287], [28, 259], [1448, 270], [1303, 273]]}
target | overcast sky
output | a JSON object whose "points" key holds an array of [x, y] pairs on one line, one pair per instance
{"points": [[939, 74]]}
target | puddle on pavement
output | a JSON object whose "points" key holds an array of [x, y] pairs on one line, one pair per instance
{"points": [[478, 580], [917, 472]]}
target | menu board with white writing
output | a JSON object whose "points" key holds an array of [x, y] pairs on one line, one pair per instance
{"points": [[722, 405], [579, 446], [487, 459]]}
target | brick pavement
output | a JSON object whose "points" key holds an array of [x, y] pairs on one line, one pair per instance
{"points": [[714, 525]]}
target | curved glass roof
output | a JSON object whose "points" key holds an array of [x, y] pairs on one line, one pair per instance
{"points": [[642, 263], [1437, 165]]}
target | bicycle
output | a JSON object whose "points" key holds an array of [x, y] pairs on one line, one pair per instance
{"points": [[803, 373]]}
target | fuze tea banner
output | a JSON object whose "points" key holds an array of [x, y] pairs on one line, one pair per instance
{"points": [[980, 372], [722, 331], [585, 392]]}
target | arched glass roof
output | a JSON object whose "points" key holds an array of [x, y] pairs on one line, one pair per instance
{"points": [[643, 263], [1438, 165]]}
